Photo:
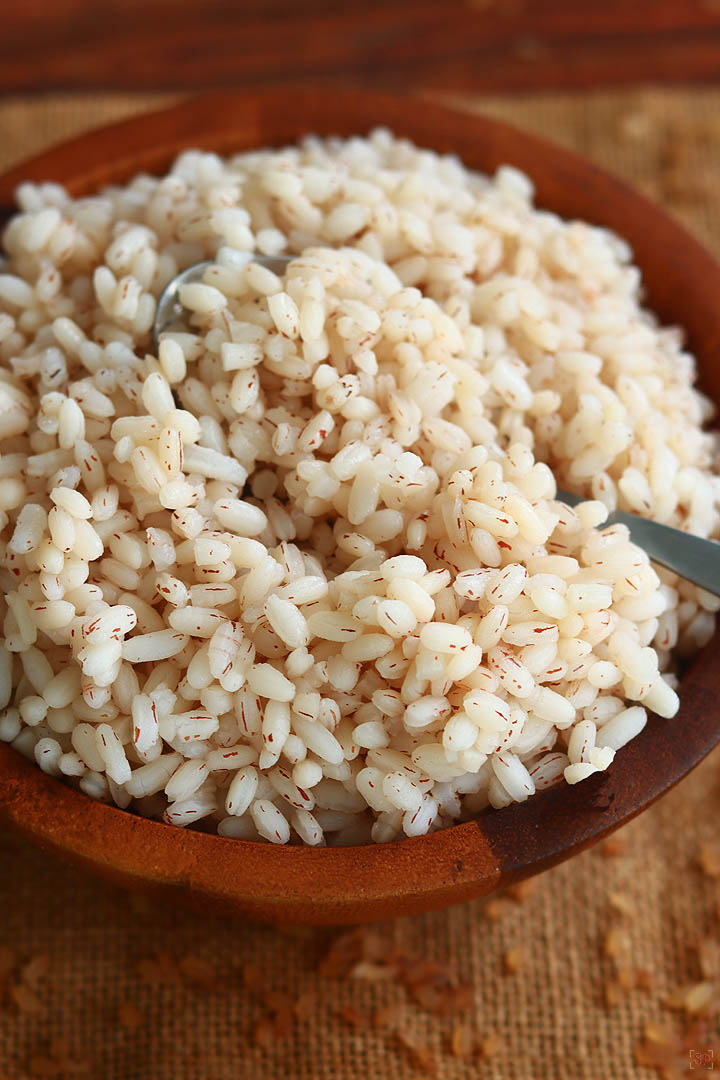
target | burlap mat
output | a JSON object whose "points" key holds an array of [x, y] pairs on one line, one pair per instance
{"points": [[602, 965]]}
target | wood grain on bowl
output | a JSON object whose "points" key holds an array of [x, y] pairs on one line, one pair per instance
{"points": [[333, 885]]}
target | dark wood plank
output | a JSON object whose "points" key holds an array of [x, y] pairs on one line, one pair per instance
{"points": [[453, 45]]}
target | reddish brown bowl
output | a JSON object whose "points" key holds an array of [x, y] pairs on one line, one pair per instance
{"points": [[345, 885]]}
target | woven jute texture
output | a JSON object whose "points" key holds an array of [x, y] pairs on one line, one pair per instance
{"points": [[569, 978]]}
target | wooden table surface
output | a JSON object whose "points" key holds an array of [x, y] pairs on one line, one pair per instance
{"points": [[485, 45]]}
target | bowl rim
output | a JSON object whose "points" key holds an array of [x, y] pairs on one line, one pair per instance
{"points": [[351, 884]]}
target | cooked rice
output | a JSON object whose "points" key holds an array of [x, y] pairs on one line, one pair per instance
{"points": [[303, 576]]}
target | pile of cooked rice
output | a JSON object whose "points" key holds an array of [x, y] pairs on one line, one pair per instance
{"points": [[303, 575]]}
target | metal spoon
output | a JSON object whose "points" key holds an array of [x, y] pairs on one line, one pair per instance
{"points": [[692, 557], [169, 311]]}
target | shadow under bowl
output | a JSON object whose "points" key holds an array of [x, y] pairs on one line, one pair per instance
{"points": [[355, 884]]}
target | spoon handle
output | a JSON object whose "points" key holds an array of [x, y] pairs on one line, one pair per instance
{"points": [[692, 557]]}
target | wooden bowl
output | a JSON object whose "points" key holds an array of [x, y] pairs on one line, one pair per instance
{"points": [[346, 885]]}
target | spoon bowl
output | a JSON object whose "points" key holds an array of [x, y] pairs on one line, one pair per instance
{"points": [[170, 313], [346, 885]]}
